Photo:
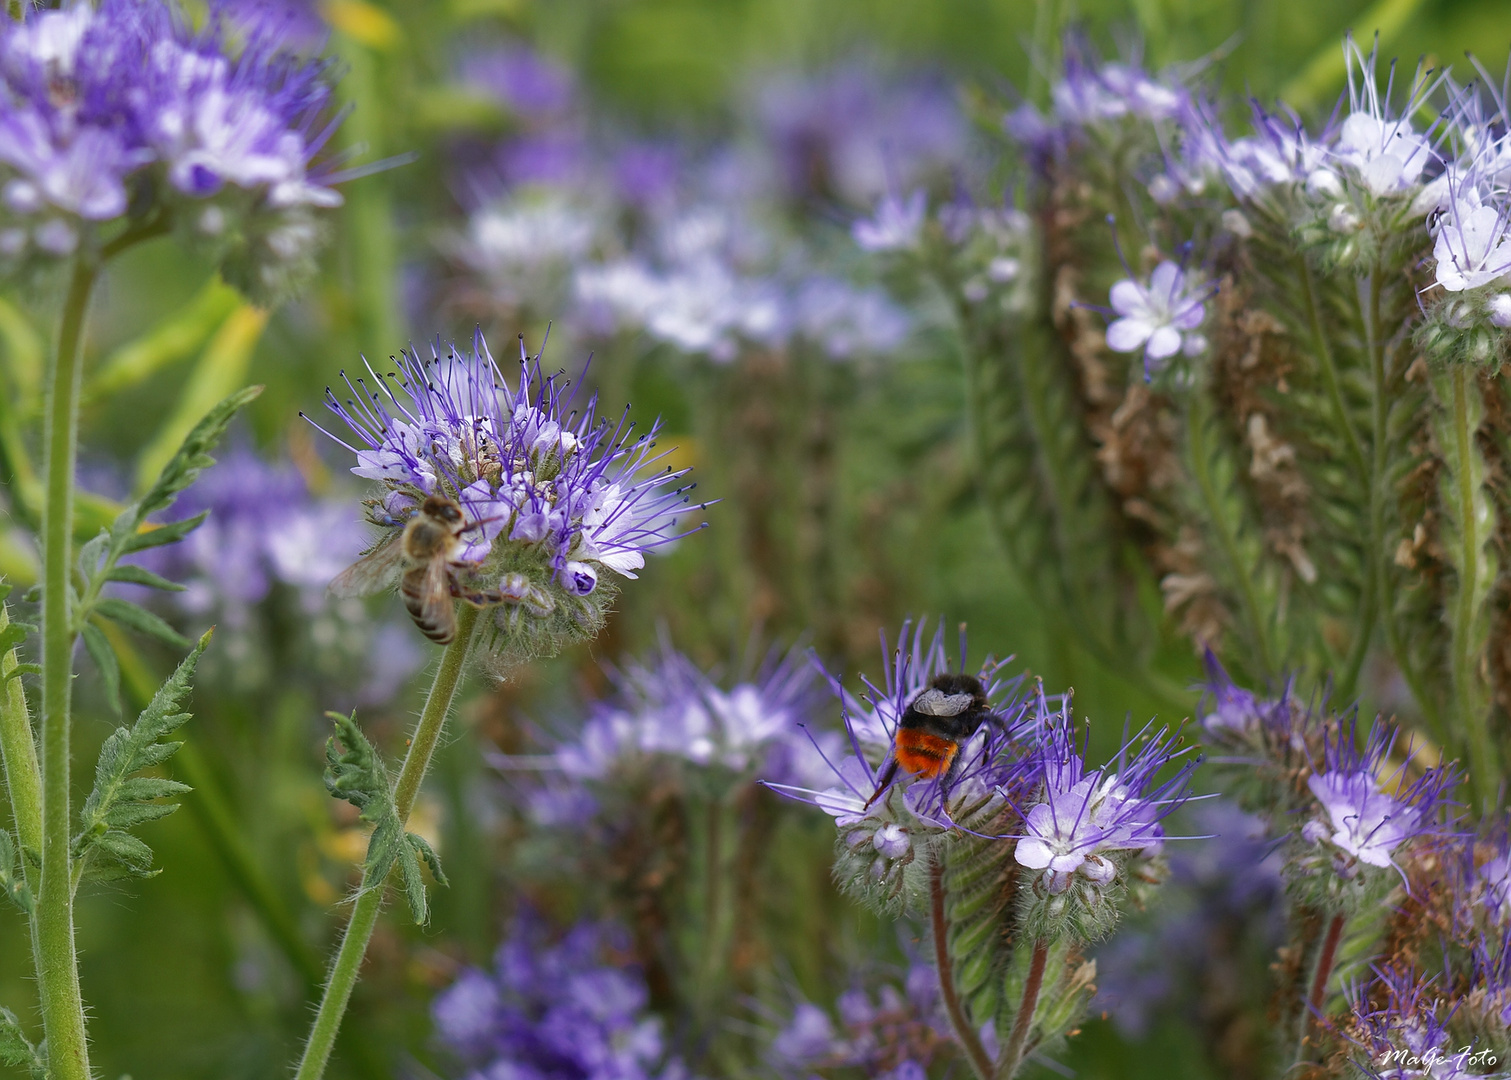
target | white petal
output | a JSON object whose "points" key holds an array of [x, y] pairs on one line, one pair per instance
{"points": [[1033, 853], [1127, 335], [1163, 343], [1128, 298]]}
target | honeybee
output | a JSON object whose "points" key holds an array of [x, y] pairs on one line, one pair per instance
{"points": [[932, 728], [423, 558]]}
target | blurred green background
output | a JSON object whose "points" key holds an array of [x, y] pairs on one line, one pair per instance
{"points": [[182, 976]]}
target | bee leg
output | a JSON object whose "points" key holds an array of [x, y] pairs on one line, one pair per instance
{"points": [[883, 781]]}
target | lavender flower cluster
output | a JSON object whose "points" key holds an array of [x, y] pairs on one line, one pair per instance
{"points": [[121, 111], [1021, 777], [889, 1033], [550, 499], [672, 711], [559, 1011], [694, 248]]}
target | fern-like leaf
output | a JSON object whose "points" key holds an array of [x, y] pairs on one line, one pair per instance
{"points": [[121, 799]]}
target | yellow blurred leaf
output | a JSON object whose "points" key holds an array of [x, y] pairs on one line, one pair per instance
{"points": [[221, 369], [23, 356], [169, 341], [363, 22]]}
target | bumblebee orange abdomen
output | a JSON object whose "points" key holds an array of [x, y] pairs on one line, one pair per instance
{"points": [[924, 754]]}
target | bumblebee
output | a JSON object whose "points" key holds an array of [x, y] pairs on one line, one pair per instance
{"points": [[932, 728]]}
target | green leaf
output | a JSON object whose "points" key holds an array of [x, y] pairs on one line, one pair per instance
{"points": [[427, 854], [105, 659], [140, 620], [414, 884], [416, 851], [137, 575], [121, 799], [158, 535], [193, 456], [91, 554], [356, 774], [17, 1049], [13, 884], [22, 669]]}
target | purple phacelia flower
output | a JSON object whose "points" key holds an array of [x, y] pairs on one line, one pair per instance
{"points": [[890, 1032], [1161, 317], [896, 224], [887, 817], [558, 1011], [550, 498], [1368, 814], [1077, 819], [849, 134], [532, 85], [1407, 1036], [96, 98]]}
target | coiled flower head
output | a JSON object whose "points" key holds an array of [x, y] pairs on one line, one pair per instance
{"points": [[1364, 814], [887, 820], [1083, 828], [557, 505]]}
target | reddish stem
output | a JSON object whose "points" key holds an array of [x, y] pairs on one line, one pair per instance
{"points": [[1325, 960], [965, 1034], [1012, 1054]]}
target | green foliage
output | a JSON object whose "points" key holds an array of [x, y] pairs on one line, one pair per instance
{"points": [[17, 1049], [357, 774], [121, 799], [13, 883], [99, 563]]}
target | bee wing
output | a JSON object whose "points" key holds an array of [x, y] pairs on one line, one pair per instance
{"points": [[373, 572]]}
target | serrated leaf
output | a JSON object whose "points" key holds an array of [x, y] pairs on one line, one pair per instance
{"points": [[357, 773], [414, 885], [137, 575], [170, 532], [11, 882], [105, 659], [14, 634], [130, 853], [17, 1049], [193, 455], [121, 799], [5, 589], [140, 620], [427, 854]]}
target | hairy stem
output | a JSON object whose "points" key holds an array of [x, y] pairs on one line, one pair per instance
{"points": [[348, 962], [1311, 1013], [965, 1034], [1472, 719], [1242, 576], [58, 971], [1012, 1053]]}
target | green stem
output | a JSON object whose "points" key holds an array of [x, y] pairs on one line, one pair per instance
{"points": [[348, 962], [1483, 767], [58, 971], [1012, 1053], [18, 748], [965, 1034], [1242, 577], [1348, 676]]}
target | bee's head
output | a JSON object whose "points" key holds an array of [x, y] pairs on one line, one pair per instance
{"points": [[950, 684], [442, 509]]}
